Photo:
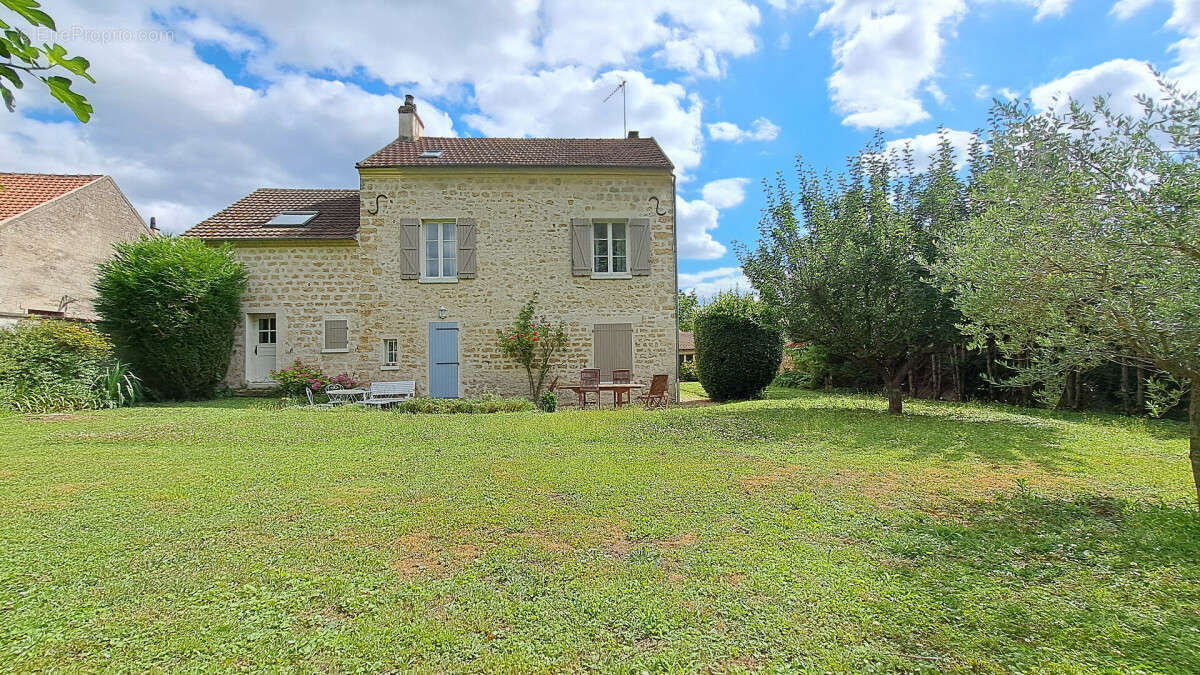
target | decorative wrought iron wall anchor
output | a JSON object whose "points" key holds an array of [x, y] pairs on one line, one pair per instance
{"points": [[377, 198], [657, 207]]}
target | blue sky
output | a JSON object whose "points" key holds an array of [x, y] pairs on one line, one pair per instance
{"points": [[198, 104]]}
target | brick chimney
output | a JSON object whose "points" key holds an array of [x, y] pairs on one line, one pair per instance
{"points": [[411, 127]]}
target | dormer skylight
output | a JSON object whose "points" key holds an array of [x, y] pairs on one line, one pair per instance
{"points": [[292, 218], [431, 154]]}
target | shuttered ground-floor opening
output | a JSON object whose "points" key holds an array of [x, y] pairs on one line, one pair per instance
{"points": [[613, 344]]}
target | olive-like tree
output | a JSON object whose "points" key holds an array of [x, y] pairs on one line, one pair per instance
{"points": [[1086, 244], [844, 259], [170, 305]]}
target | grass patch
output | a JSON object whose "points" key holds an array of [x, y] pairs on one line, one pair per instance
{"points": [[813, 531]]}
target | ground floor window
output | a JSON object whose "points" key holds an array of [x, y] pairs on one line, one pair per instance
{"points": [[391, 352], [613, 345], [337, 335]]}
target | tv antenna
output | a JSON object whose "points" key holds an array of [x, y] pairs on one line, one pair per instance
{"points": [[624, 107]]}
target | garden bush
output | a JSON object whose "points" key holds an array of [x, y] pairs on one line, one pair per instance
{"points": [[50, 366], [488, 403], [688, 372], [170, 305], [739, 345], [294, 380]]}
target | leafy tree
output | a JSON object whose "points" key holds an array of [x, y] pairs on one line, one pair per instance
{"points": [[533, 342], [688, 304], [739, 345], [170, 305], [843, 260], [1085, 248], [25, 59]]}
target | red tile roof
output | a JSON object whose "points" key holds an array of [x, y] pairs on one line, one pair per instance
{"points": [[20, 192], [687, 340], [246, 219], [617, 153]]}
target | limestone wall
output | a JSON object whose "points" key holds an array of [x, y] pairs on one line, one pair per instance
{"points": [[53, 250], [523, 246]]}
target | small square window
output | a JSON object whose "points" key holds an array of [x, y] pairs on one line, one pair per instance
{"points": [[391, 352]]}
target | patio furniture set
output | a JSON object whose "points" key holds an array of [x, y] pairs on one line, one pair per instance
{"points": [[587, 392], [621, 387], [379, 395]]}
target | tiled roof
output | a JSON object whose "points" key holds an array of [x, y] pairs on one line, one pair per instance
{"points": [[246, 218], [687, 340], [20, 192], [617, 153]]}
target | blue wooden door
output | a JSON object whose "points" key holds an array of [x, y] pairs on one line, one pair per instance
{"points": [[443, 360]]}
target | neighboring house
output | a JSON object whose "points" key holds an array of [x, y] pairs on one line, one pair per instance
{"points": [[687, 347], [410, 276], [54, 230]]}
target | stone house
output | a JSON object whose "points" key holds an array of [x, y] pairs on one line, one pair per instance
{"points": [[410, 276], [54, 230], [687, 347]]}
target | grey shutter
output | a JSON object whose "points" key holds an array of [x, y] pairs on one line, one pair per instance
{"points": [[639, 246], [337, 334], [581, 247], [466, 248], [410, 248], [613, 344]]}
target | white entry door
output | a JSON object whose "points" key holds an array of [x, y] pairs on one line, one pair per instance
{"points": [[260, 352]]}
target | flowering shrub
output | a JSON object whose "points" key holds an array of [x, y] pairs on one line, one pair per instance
{"points": [[293, 381], [532, 342]]}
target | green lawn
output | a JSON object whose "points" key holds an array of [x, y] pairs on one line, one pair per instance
{"points": [[811, 531]]}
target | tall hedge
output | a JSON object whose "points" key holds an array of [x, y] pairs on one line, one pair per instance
{"points": [[739, 345], [170, 305]]}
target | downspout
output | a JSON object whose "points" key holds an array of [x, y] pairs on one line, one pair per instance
{"points": [[675, 253]]}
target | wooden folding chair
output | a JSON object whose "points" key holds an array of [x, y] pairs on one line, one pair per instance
{"points": [[657, 397], [620, 376]]}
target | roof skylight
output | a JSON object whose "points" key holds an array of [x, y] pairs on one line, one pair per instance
{"points": [[431, 154], [292, 218]]}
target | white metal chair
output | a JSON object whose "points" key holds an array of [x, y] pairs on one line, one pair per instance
{"points": [[383, 394], [312, 403]]}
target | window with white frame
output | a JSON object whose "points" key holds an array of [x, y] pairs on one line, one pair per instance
{"points": [[391, 352], [337, 335], [609, 245], [266, 330], [441, 250]]}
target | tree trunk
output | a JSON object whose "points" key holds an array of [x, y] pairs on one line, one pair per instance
{"points": [[1078, 390], [1194, 444], [1124, 386], [895, 399], [1141, 389]]}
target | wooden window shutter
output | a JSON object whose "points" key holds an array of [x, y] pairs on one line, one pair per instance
{"points": [[410, 248], [466, 248], [581, 247], [337, 334], [613, 344], [639, 246]]}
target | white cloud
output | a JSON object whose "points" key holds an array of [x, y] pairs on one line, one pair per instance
{"points": [[762, 129], [695, 221], [1047, 8], [184, 140], [924, 146], [886, 51], [725, 193], [711, 282], [1185, 19], [567, 102], [987, 92], [1121, 80]]}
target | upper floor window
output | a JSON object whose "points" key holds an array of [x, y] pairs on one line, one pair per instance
{"points": [[441, 249], [609, 246]]}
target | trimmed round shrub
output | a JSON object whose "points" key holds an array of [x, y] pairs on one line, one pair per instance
{"points": [[739, 345], [687, 372], [170, 305]]}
